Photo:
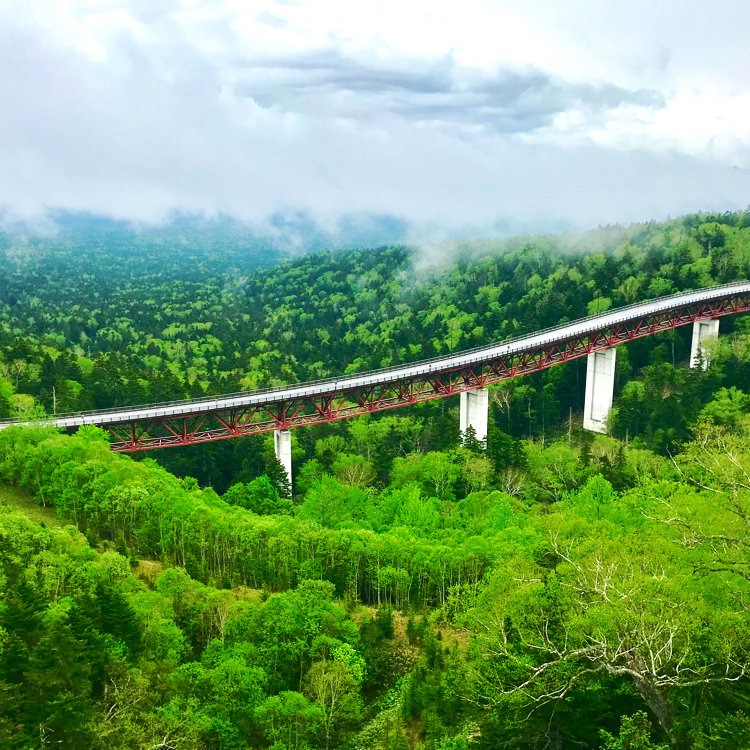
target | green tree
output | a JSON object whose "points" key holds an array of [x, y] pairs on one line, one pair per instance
{"points": [[260, 496], [290, 719], [331, 687], [635, 734]]}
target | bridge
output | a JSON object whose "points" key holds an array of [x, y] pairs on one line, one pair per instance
{"points": [[466, 374]]}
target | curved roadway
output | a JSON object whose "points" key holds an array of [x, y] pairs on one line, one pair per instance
{"points": [[393, 374]]}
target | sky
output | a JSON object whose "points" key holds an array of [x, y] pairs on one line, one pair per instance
{"points": [[481, 114]]}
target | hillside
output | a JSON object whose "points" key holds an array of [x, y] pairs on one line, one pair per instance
{"points": [[552, 589], [75, 336]]}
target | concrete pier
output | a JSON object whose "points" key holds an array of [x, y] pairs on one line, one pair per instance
{"points": [[600, 385], [282, 444], [474, 410], [703, 330]]}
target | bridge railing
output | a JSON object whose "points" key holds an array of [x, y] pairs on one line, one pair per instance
{"points": [[394, 368]]}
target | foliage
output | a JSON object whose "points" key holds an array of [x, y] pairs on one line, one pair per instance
{"points": [[415, 588], [204, 319]]}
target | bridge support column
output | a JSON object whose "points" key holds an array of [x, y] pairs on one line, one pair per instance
{"points": [[474, 410], [703, 330], [600, 385], [282, 444]]}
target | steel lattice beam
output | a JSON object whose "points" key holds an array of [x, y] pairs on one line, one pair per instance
{"points": [[178, 423], [222, 424]]}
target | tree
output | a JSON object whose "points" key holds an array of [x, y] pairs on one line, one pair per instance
{"points": [[727, 408], [552, 470], [435, 471], [278, 477], [330, 503], [59, 680], [635, 734], [711, 511], [470, 442], [476, 472], [605, 599], [260, 496], [331, 686], [355, 470], [289, 718]]}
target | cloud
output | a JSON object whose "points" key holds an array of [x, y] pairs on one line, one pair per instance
{"points": [[465, 121], [270, 19], [439, 92]]}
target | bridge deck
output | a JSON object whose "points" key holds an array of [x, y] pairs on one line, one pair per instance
{"points": [[577, 330]]}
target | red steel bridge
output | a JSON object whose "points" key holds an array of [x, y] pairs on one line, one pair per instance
{"points": [[179, 423]]}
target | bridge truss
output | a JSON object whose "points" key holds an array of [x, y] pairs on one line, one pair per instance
{"points": [[329, 407], [219, 418]]}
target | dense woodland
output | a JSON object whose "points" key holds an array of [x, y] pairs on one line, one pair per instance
{"points": [[413, 588]]}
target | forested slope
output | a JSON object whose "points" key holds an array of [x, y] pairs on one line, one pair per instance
{"points": [[528, 623], [552, 589], [78, 337]]}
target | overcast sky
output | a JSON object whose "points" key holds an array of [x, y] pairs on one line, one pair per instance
{"points": [[445, 113]]}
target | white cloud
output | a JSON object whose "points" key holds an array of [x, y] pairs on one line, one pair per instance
{"points": [[447, 114]]}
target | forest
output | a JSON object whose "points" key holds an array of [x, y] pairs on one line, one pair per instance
{"points": [[413, 587]]}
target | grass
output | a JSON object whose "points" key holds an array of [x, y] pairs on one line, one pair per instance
{"points": [[21, 501]]}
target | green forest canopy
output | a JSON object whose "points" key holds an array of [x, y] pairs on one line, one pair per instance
{"points": [[555, 589]]}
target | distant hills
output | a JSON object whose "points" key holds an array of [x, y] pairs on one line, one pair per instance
{"points": [[216, 243]]}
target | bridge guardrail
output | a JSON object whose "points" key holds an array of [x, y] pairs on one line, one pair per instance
{"points": [[384, 371]]}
